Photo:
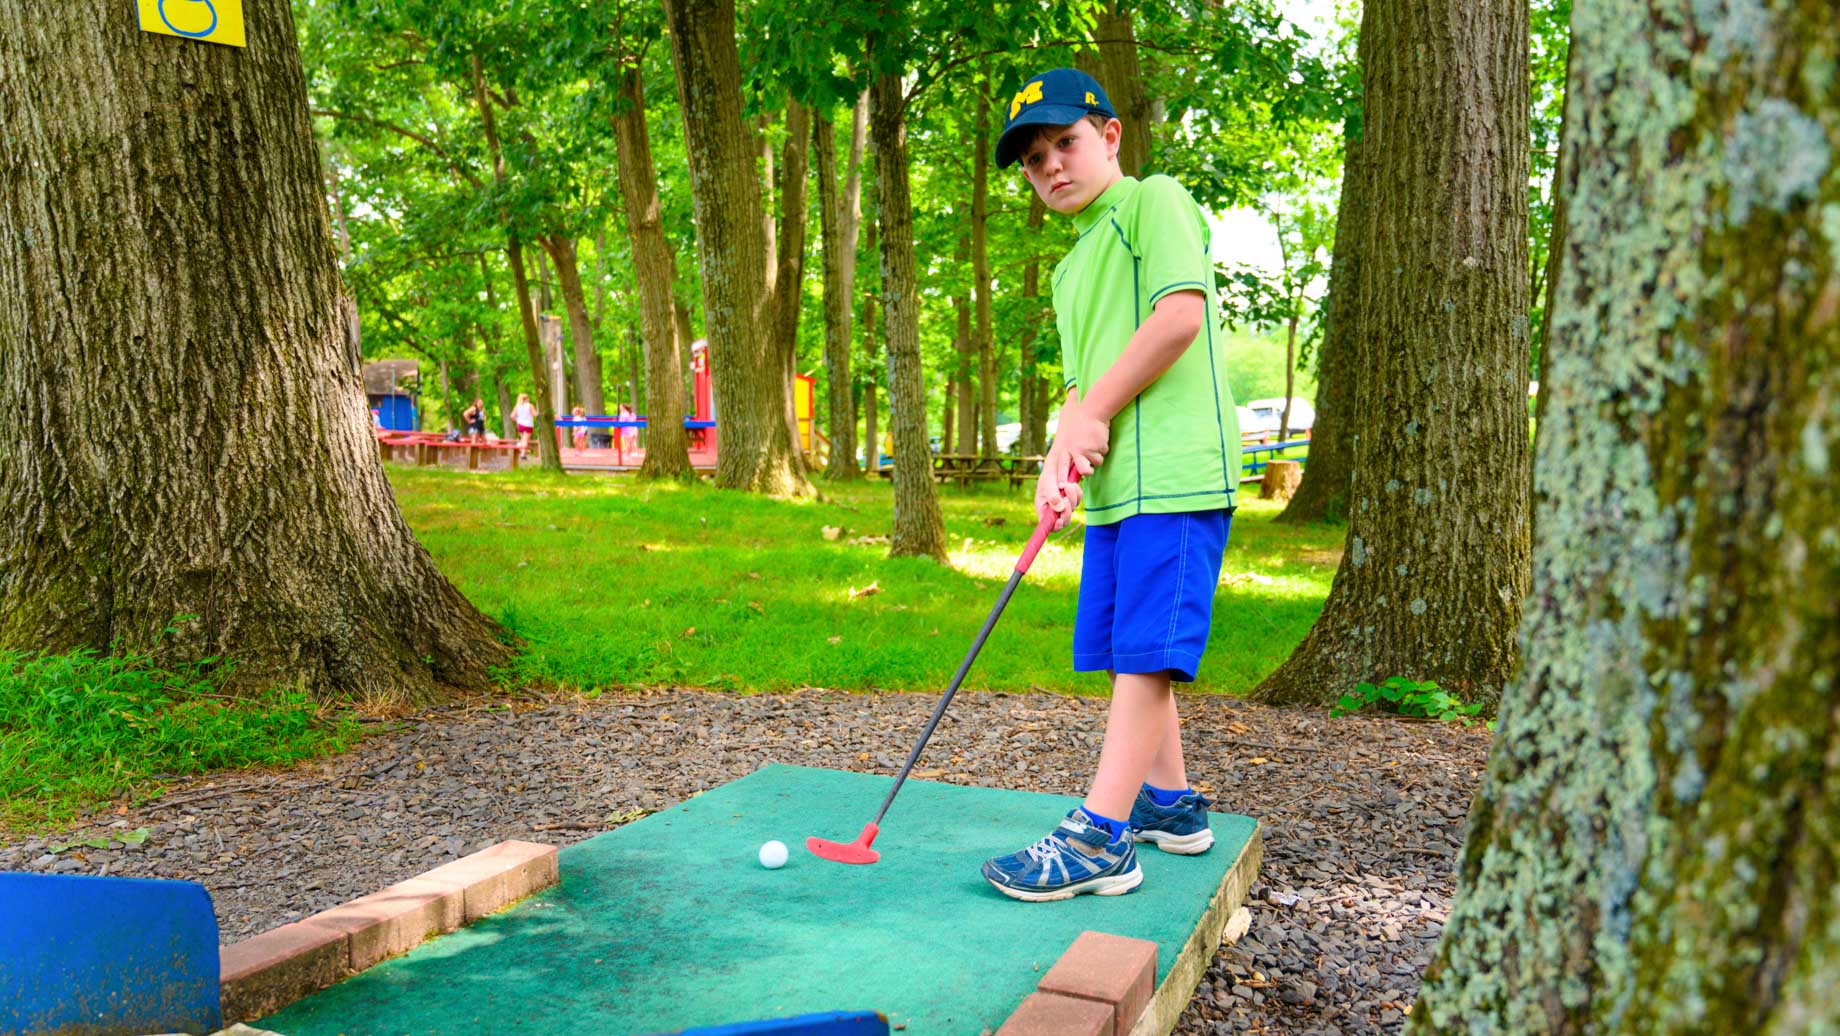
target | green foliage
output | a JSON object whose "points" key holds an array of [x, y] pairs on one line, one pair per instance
{"points": [[1403, 697], [79, 729]]}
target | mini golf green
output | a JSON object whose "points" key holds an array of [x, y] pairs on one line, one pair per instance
{"points": [[671, 922]]}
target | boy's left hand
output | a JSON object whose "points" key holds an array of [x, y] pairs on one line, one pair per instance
{"points": [[1081, 435]]}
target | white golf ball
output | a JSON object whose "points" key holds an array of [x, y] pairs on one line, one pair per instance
{"points": [[773, 855]]}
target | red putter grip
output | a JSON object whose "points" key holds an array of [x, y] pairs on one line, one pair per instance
{"points": [[1042, 528]]}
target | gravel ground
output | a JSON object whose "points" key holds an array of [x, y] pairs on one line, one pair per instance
{"points": [[1362, 817]]}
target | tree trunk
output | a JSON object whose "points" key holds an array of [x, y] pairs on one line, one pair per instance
{"points": [[547, 449], [667, 455], [919, 530], [965, 381], [949, 415], [1323, 495], [186, 440], [789, 278], [980, 276], [588, 389], [1653, 849], [841, 216], [1436, 566], [1035, 390], [1123, 79], [877, 362], [756, 450], [1290, 370]]}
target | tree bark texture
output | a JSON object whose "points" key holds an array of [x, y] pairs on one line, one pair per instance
{"points": [[789, 274], [1323, 496], [1654, 848], [1430, 585], [980, 276], [667, 455], [756, 450], [919, 529], [1123, 78], [588, 390], [840, 213], [183, 431]]}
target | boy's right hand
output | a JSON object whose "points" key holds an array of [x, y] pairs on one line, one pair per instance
{"points": [[1054, 490]]}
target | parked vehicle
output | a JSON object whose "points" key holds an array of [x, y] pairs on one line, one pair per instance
{"points": [[1266, 414]]}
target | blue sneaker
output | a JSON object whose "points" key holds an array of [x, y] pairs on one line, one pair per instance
{"points": [[1076, 857], [1181, 828]]}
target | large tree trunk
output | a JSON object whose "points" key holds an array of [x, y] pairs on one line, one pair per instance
{"points": [[1431, 583], [1323, 494], [184, 439], [1035, 389], [756, 450], [789, 274], [588, 392], [841, 215], [1123, 78], [919, 530], [965, 378], [1654, 846], [980, 277], [655, 270]]}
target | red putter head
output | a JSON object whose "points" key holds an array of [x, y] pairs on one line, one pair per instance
{"points": [[847, 852]]}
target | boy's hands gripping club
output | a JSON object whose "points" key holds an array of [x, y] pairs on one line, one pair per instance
{"points": [[1080, 443]]}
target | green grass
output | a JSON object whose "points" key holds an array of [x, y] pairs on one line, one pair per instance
{"points": [[77, 729], [613, 583]]}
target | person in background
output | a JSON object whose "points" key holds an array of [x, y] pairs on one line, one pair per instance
{"points": [[474, 417], [629, 437], [525, 417], [581, 430]]}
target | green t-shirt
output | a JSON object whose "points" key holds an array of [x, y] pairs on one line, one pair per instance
{"points": [[1176, 446]]}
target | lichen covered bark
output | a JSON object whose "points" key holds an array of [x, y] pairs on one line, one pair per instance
{"points": [[183, 431], [1654, 847], [1430, 584]]}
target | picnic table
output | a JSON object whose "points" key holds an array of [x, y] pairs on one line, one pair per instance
{"points": [[966, 468]]}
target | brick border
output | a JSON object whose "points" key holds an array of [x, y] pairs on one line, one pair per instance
{"points": [[1105, 985], [265, 973], [1197, 953]]}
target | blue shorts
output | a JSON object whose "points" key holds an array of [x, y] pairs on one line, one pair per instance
{"points": [[1147, 593]]}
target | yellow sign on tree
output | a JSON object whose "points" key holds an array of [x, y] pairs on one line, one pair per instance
{"points": [[213, 21]]}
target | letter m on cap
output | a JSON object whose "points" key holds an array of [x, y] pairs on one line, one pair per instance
{"points": [[1027, 95]]}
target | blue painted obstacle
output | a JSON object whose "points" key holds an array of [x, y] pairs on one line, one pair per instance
{"points": [[828, 1023], [106, 956]]}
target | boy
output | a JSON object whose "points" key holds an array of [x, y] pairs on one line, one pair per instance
{"points": [[1149, 424]]}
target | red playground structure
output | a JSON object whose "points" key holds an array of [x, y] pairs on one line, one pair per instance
{"points": [[610, 443]]}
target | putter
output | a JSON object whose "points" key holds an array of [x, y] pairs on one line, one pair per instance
{"points": [[859, 851]]}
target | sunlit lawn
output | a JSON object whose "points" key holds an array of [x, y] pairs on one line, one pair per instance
{"points": [[614, 583]]}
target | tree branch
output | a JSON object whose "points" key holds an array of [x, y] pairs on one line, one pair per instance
{"points": [[402, 131]]}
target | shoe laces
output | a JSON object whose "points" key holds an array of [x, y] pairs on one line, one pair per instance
{"points": [[1043, 850]]}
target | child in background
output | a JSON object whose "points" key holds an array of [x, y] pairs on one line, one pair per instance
{"points": [[525, 417], [1148, 422], [581, 430]]}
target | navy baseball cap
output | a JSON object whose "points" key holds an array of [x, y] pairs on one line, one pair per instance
{"points": [[1058, 97]]}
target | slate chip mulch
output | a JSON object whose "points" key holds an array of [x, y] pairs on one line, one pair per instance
{"points": [[1363, 816]]}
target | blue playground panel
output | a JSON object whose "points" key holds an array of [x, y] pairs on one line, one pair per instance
{"points": [[106, 956], [837, 1023], [396, 413]]}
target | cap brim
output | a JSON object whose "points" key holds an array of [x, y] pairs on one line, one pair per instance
{"points": [[1023, 130]]}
